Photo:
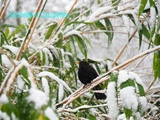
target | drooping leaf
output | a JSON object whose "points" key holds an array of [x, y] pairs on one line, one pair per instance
{"points": [[127, 83], [142, 6], [115, 3], [50, 30], [140, 89], [91, 117], [156, 59]]}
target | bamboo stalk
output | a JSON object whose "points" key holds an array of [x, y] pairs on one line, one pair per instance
{"points": [[3, 10], [29, 31]]}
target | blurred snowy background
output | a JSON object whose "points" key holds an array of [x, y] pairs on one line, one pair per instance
{"points": [[100, 49]]}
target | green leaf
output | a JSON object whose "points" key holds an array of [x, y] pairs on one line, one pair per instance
{"points": [[19, 30], [152, 3], [140, 32], [107, 27], [91, 117], [50, 30], [8, 25], [23, 71], [42, 117], [43, 58], [156, 59], [115, 3], [110, 29], [127, 83], [3, 38], [9, 108], [7, 32], [113, 77], [128, 113], [145, 32], [141, 89], [82, 45], [142, 6]]}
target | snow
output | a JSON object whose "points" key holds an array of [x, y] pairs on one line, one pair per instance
{"points": [[20, 83], [50, 114], [112, 101], [158, 7], [4, 116], [123, 117], [6, 61], [122, 77], [54, 77], [13, 116], [95, 15], [47, 56], [60, 92], [45, 86], [128, 98], [152, 20], [136, 77], [143, 103], [126, 21], [11, 48], [73, 32], [38, 97], [3, 99]]}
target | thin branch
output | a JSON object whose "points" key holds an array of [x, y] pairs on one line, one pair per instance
{"points": [[102, 78]]}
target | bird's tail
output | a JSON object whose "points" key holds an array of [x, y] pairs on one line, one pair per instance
{"points": [[99, 95]]}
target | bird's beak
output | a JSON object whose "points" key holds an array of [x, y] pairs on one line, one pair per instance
{"points": [[77, 62]]}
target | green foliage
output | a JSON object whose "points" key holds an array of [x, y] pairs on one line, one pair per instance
{"points": [[156, 59], [55, 51]]}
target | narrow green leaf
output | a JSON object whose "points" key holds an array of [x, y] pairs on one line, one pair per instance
{"points": [[127, 83], [145, 32], [91, 117], [50, 30], [113, 77], [7, 32], [142, 6], [19, 30], [110, 29], [23, 71], [156, 59], [128, 113], [43, 59], [141, 89], [9, 108], [3, 38], [115, 3], [140, 32], [82, 45]]}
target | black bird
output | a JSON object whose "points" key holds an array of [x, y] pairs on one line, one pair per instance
{"points": [[86, 73]]}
